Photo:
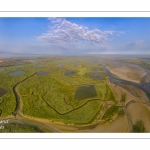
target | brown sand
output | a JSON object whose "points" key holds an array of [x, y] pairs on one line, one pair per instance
{"points": [[129, 73], [139, 111], [118, 91], [118, 125]]}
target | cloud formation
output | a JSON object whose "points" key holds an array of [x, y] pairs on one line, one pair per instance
{"points": [[135, 43], [63, 31]]}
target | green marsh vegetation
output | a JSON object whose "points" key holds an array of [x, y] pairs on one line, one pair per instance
{"points": [[19, 128], [121, 113], [55, 101], [138, 127], [2, 92], [76, 98], [8, 82], [123, 97], [111, 112], [105, 92]]}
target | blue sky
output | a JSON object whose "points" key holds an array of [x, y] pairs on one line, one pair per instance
{"points": [[75, 36]]}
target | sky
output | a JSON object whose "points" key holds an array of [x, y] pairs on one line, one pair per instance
{"points": [[75, 36]]}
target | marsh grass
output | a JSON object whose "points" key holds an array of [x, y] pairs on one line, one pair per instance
{"points": [[138, 127], [53, 96], [18, 128], [123, 97], [110, 113]]}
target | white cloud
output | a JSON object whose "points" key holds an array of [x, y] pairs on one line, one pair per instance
{"points": [[63, 31], [67, 37], [135, 43], [133, 47]]}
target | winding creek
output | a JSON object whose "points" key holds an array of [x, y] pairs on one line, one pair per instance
{"points": [[18, 102], [19, 117]]}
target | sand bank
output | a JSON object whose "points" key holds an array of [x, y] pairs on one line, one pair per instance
{"points": [[129, 73]]}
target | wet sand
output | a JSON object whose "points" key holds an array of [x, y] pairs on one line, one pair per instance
{"points": [[140, 111], [119, 125], [129, 73], [128, 96]]}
